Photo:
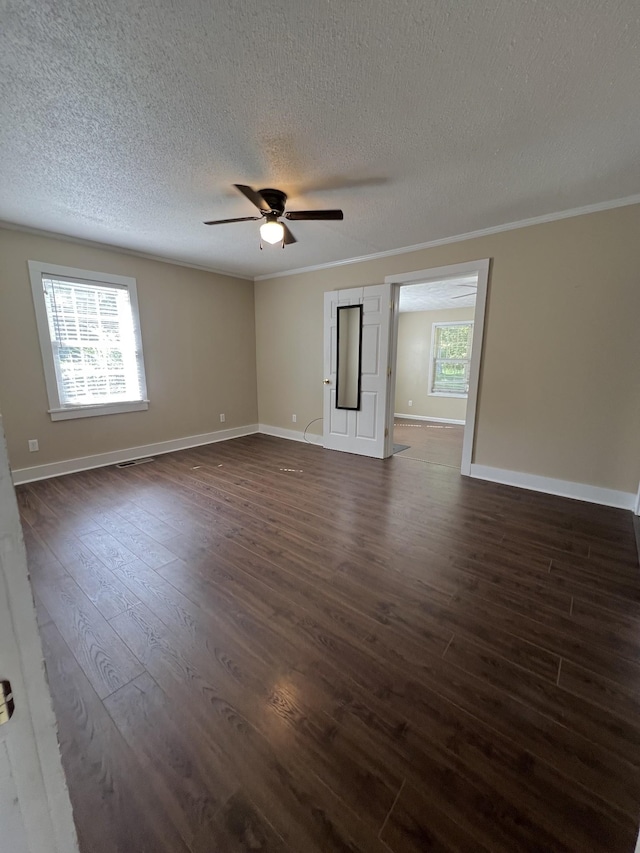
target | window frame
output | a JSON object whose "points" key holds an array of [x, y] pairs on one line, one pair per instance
{"points": [[57, 411], [432, 359]]}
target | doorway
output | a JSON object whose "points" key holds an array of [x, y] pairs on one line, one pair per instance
{"points": [[435, 354], [435, 338], [35, 810]]}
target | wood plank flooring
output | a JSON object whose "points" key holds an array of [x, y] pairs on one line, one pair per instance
{"points": [[262, 645], [429, 441]]}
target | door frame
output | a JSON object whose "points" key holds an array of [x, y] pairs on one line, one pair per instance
{"points": [[29, 739], [482, 268]]}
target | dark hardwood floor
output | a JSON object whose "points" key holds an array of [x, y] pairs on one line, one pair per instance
{"points": [[429, 441], [262, 645]]}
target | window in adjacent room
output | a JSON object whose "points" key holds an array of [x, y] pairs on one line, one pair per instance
{"points": [[450, 359], [90, 340]]}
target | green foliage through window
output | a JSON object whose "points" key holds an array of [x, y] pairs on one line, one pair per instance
{"points": [[451, 358]]}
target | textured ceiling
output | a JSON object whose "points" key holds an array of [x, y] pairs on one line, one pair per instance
{"points": [[437, 295], [127, 123]]}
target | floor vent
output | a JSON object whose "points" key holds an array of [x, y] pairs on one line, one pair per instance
{"points": [[135, 462]]}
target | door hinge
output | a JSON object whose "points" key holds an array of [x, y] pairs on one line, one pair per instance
{"points": [[386, 432], [388, 371], [6, 702]]}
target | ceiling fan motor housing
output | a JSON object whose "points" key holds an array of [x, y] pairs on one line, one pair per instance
{"points": [[276, 200]]}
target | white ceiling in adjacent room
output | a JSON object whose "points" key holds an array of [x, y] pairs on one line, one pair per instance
{"points": [[438, 295], [127, 123]]}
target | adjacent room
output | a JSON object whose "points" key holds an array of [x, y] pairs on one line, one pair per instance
{"points": [[433, 369], [319, 457]]}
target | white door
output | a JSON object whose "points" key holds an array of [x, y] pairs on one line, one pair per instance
{"points": [[35, 811], [364, 430]]}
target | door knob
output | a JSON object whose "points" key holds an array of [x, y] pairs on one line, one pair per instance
{"points": [[327, 382]]}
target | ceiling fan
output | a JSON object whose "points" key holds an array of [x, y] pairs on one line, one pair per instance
{"points": [[271, 204], [473, 289]]}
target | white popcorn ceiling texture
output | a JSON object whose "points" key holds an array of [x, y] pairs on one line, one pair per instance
{"points": [[437, 295], [127, 122]]}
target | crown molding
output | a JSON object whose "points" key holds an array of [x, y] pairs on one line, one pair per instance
{"points": [[431, 244], [108, 247], [471, 235]]}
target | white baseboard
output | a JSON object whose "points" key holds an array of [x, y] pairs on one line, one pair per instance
{"points": [[291, 434], [99, 460], [562, 488], [426, 418]]}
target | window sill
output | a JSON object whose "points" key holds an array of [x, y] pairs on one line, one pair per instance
{"points": [[101, 409], [447, 394]]}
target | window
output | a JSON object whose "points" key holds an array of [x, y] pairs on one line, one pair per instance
{"points": [[450, 359], [90, 341]]}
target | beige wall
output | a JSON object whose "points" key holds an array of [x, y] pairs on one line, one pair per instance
{"points": [[560, 383], [415, 330], [198, 336]]}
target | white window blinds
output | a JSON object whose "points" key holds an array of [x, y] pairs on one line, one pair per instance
{"points": [[94, 342]]}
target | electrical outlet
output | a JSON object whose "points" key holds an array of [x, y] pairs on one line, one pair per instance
{"points": [[33, 444], [411, 402], [221, 419], [294, 419]]}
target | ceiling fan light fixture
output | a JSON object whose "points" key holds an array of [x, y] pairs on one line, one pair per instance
{"points": [[272, 231]]}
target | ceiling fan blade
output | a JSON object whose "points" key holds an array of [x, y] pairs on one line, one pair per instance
{"points": [[254, 197], [294, 215], [287, 236], [224, 221]]}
